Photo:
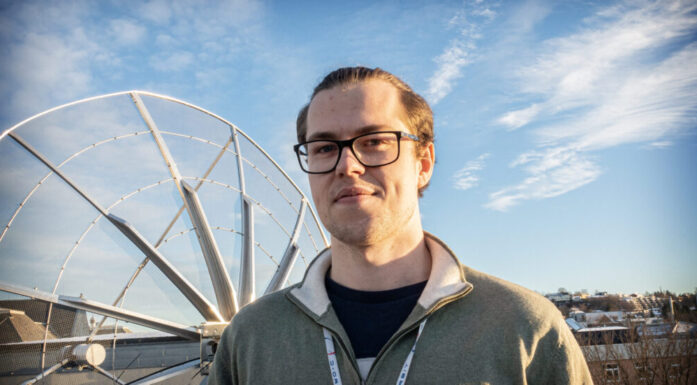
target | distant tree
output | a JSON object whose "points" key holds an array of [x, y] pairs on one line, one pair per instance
{"points": [[562, 290], [683, 308], [606, 303], [665, 310]]}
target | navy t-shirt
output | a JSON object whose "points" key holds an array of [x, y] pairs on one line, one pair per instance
{"points": [[370, 318]]}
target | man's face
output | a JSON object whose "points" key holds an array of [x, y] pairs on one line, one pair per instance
{"points": [[363, 205]]}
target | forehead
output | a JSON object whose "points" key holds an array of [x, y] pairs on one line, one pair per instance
{"points": [[346, 109]]}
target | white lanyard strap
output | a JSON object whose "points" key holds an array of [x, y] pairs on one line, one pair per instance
{"points": [[331, 355], [334, 367], [405, 369]]}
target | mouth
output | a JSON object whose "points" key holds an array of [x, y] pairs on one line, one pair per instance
{"points": [[353, 193]]}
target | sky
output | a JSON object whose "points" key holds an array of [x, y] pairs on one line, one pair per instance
{"points": [[565, 131]]}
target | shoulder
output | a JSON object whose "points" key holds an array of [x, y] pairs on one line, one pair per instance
{"points": [[508, 312], [504, 303], [259, 318], [508, 295], [265, 305]]}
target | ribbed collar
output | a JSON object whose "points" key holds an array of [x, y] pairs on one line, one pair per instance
{"points": [[446, 279]]}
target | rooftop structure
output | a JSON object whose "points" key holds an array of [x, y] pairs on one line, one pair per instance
{"points": [[147, 214]]}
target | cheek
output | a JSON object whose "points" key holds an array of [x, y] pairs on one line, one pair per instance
{"points": [[319, 193]]}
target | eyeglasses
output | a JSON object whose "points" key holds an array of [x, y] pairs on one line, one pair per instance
{"points": [[374, 149]]}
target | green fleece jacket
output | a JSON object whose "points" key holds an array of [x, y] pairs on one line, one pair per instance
{"points": [[480, 330]]}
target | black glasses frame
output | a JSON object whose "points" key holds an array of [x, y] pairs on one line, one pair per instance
{"points": [[349, 143]]}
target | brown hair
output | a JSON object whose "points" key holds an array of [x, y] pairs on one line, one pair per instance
{"points": [[418, 114]]}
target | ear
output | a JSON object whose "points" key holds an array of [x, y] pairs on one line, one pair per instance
{"points": [[425, 163]]}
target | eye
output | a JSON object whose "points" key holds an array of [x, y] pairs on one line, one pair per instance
{"points": [[375, 142], [322, 148], [372, 142]]}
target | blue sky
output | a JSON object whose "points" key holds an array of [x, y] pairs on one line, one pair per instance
{"points": [[565, 131]]}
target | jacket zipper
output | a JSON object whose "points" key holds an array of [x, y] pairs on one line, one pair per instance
{"points": [[442, 302]]}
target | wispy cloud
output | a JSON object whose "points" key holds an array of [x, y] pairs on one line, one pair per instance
{"points": [[127, 32], [458, 53], [608, 85], [553, 172], [518, 118], [174, 61], [466, 177], [659, 145]]}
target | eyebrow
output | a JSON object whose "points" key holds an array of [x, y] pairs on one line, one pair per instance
{"points": [[360, 131]]}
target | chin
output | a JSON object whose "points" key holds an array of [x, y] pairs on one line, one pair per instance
{"points": [[354, 232], [360, 233]]}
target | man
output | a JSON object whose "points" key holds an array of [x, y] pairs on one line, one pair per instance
{"points": [[388, 303]]}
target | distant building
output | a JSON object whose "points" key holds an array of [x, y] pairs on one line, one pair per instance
{"points": [[65, 321], [660, 361], [558, 297], [602, 335], [604, 317], [15, 326]]}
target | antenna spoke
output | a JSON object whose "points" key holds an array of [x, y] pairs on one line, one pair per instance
{"points": [[224, 292], [281, 276], [209, 312], [107, 374], [103, 309], [46, 372], [247, 260]]}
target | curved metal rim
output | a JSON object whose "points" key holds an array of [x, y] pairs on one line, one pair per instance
{"points": [[175, 100]]}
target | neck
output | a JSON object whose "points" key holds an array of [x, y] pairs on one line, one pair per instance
{"points": [[392, 263]]}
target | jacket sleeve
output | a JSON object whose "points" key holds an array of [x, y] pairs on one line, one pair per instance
{"points": [[223, 369], [558, 360]]}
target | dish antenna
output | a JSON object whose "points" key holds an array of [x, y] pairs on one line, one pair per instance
{"points": [[136, 227]]}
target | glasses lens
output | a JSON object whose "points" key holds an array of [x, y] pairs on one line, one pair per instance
{"points": [[377, 149], [320, 155]]}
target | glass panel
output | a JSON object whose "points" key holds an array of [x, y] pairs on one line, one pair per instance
{"points": [[42, 235], [180, 119], [116, 168], [64, 132]]}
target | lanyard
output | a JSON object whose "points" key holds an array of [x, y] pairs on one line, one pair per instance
{"points": [[334, 366]]}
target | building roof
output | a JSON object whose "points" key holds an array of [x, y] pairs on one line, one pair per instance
{"points": [[15, 326]]}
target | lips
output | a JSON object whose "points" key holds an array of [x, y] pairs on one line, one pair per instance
{"points": [[353, 191]]}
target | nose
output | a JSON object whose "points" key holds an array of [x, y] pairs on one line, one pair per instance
{"points": [[348, 164]]}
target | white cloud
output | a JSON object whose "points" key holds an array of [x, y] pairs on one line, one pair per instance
{"points": [[518, 118], [660, 145], [127, 32], [485, 12], [174, 61], [457, 55], [552, 173], [45, 67], [465, 178], [49, 55], [157, 11], [163, 40], [605, 86], [450, 64], [53, 52]]}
